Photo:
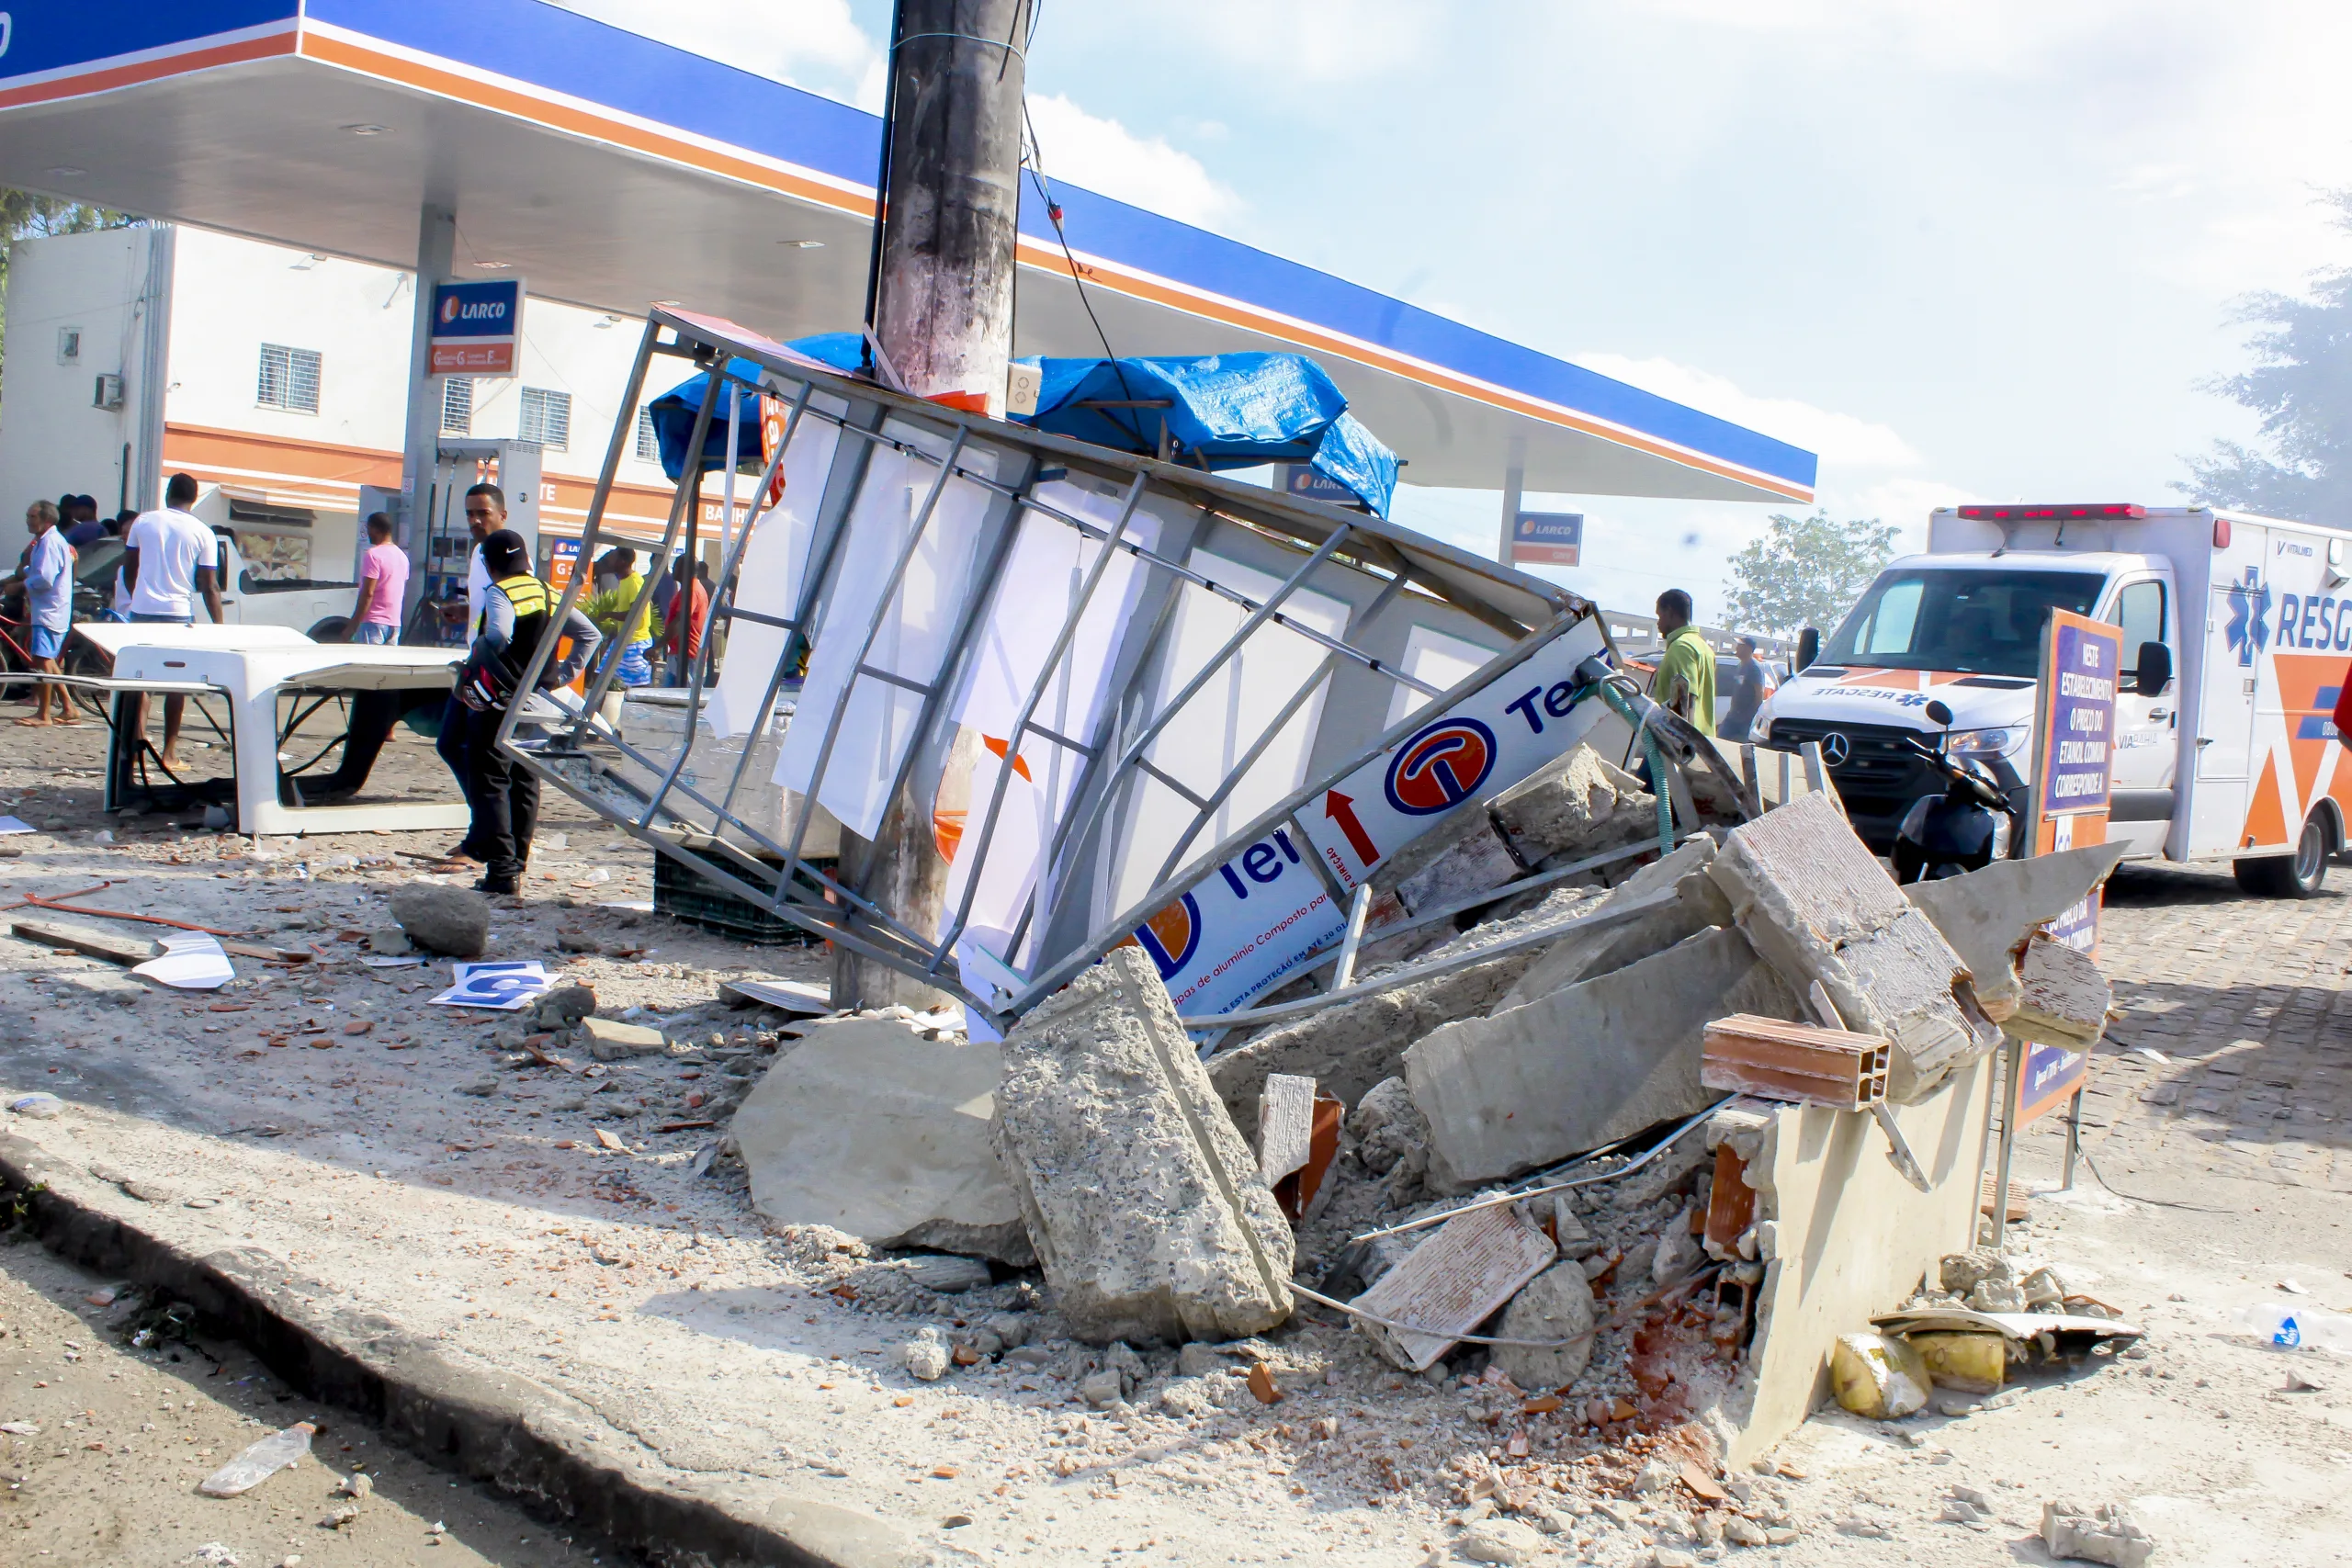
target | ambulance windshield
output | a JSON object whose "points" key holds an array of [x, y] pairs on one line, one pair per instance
{"points": [[1975, 622]]}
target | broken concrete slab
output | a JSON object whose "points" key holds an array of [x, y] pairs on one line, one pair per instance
{"points": [[872, 1128], [1142, 1198], [611, 1040], [453, 921], [1350, 1046], [2106, 1534], [1473, 863], [1986, 914], [1578, 806], [1555, 1305], [1450, 1283], [115, 947], [2062, 997], [1590, 1063], [1698, 904], [1820, 907]]}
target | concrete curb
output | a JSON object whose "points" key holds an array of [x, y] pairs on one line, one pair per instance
{"points": [[552, 1453]]}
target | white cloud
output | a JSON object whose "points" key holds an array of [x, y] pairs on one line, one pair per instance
{"points": [[1837, 437], [813, 44], [1319, 40], [1106, 157]]}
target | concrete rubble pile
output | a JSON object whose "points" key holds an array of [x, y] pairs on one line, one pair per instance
{"points": [[1509, 1173]]}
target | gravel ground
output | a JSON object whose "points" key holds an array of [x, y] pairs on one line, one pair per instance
{"points": [[567, 1226]]}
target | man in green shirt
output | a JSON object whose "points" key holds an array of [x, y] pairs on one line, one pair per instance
{"points": [[1686, 672]]}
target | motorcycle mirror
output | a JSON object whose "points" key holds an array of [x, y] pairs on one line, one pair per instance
{"points": [[1938, 714], [1808, 646]]}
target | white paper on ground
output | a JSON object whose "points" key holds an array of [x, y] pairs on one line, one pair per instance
{"points": [[501, 987], [15, 825], [191, 961], [790, 995], [388, 961], [769, 581], [877, 718]]}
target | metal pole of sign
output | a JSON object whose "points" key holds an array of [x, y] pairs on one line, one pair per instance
{"points": [[2074, 1138], [2012, 1077]]}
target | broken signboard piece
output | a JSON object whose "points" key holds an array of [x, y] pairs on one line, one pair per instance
{"points": [[191, 961], [1451, 1283], [2063, 999], [1777, 1060]]}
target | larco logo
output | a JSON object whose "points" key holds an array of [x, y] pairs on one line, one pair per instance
{"points": [[1835, 749], [448, 310], [1172, 936], [1440, 767]]}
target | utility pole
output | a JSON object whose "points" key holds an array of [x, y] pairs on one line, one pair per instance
{"points": [[940, 306]]}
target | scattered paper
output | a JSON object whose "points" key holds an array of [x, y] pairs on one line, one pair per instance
{"points": [[789, 995], [633, 905], [192, 961], [501, 987], [15, 825], [2153, 1055], [385, 961]]}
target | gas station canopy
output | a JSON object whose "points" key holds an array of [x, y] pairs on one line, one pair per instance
{"points": [[611, 171]]}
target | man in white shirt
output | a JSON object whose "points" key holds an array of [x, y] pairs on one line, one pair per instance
{"points": [[49, 605], [169, 560], [485, 514]]}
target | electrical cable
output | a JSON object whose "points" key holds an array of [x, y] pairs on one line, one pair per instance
{"points": [[2156, 1203], [1035, 163]]}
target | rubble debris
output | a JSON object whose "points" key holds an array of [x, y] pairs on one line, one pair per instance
{"points": [[1819, 906], [1556, 1304], [787, 995], [1578, 805], [1285, 1124], [2062, 997], [1350, 1046], [1583, 956], [947, 1275], [2106, 1534], [927, 1355], [1451, 1282], [564, 1006], [451, 921], [111, 946], [1143, 1202], [1597, 1061], [611, 1040], [1500, 1541], [1462, 857], [875, 1130], [1878, 1376], [2020, 1328], [40, 1107], [1988, 914], [1799, 1063], [1973, 1363], [1391, 1133]]}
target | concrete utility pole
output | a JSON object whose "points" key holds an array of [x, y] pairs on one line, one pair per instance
{"points": [[942, 309]]}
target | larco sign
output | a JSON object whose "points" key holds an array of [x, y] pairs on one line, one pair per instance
{"points": [[476, 326]]}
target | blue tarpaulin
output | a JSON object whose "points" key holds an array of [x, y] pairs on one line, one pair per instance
{"points": [[1223, 410]]}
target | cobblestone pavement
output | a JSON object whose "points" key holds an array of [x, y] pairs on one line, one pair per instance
{"points": [[2247, 1002]]}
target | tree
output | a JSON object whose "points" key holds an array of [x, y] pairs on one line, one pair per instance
{"points": [[1804, 571], [2301, 386], [26, 216]]}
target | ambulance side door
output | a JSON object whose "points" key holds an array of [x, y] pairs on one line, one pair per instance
{"points": [[2146, 727]]}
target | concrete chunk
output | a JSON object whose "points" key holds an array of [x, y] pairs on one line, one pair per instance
{"points": [[1698, 905], [1590, 1063], [2064, 998], [610, 1039], [1472, 865], [1819, 906], [871, 1128], [1987, 915], [454, 922], [1580, 805], [1143, 1202], [1556, 1304], [113, 946], [1350, 1047]]}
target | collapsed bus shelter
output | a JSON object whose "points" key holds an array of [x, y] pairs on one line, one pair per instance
{"points": [[1130, 700]]}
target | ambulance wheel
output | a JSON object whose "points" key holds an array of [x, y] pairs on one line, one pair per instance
{"points": [[2297, 876]]}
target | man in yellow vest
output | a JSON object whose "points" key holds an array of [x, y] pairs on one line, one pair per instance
{"points": [[518, 612], [1686, 669]]}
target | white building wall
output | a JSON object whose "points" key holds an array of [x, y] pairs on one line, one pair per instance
{"points": [[53, 440]]}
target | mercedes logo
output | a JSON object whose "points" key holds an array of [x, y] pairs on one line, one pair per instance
{"points": [[1835, 749]]}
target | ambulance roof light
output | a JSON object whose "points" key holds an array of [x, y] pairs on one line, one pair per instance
{"points": [[2110, 511]]}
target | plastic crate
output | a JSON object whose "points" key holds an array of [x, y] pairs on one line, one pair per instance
{"points": [[683, 894]]}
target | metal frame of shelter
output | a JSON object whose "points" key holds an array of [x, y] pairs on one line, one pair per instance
{"points": [[1065, 921]]}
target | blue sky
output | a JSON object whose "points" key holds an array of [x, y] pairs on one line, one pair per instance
{"points": [[1966, 252]]}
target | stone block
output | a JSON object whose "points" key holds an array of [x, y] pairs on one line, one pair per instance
{"points": [[1578, 805], [1590, 1063], [2106, 1534], [1142, 1198], [453, 921], [610, 1039], [1987, 915], [1819, 908], [871, 1128], [1350, 1046], [2063, 999], [1473, 863], [1555, 1304]]}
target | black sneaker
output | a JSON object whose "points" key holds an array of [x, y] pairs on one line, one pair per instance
{"points": [[500, 886]]}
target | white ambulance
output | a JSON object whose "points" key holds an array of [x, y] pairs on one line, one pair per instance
{"points": [[2237, 633]]}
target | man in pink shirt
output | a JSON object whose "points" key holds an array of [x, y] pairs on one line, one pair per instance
{"points": [[383, 580]]}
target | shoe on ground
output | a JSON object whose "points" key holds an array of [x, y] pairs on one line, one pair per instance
{"points": [[500, 887]]}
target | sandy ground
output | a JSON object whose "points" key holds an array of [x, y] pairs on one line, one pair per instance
{"points": [[650, 1301], [106, 1441]]}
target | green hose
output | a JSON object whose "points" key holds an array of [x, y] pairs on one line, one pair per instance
{"points": [[1625, 710]]}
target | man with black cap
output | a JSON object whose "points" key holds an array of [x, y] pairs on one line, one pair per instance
{"points": [[517, 611]]}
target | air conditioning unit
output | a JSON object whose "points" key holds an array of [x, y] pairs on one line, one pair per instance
{"points": [[109, 394]]}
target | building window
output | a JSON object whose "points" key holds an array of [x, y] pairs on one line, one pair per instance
{"points": [[546, 418], [289, 378], [649, 450], [457, 406]]}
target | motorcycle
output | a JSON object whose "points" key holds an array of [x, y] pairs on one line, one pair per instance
{"points": [[1967, 828]]}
